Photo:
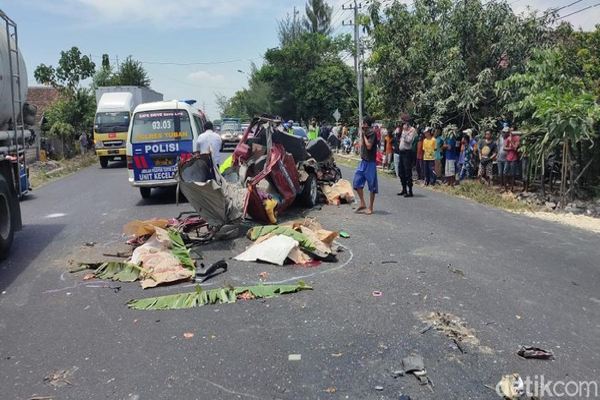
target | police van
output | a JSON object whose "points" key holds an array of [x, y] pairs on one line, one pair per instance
{"points": [[160, 135]]}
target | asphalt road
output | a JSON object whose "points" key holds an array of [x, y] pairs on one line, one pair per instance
{"points": [[525, 281]]}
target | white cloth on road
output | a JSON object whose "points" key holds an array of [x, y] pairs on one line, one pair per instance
{"points": [[209, 142]]}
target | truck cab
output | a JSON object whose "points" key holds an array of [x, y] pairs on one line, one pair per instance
{"points": [[111, 126]]}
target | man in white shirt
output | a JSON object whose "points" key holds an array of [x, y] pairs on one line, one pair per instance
{"points": [[209, 142]]}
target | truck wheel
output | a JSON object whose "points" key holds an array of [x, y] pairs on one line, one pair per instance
{"points": [[310, 193], [145, 192], [103, 162], [6, 225]]}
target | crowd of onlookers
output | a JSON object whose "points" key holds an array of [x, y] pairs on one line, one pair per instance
{"points": [[449, 155]]}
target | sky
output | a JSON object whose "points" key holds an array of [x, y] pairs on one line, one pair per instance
{"points": [[210, 41]]}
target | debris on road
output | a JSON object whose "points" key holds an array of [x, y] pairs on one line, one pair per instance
{"points": [[270, 171], [188, 335], [339, 192], [300, 241], [161, 258], [415, 365], [452, 326], [344, 234], [205, 273], [60, 378], [330, 390], [274, 250], [223, 295], [379, 388], [295, 357], [456, 271], [535, 352], [511, 387], [377, 293]]}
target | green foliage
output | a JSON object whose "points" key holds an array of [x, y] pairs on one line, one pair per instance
{"points": [[179, 250], [77, 110], [62, 130], [289, 29], [308, 78], [225, 295], [118, 271], [131, 73], [439, 61], [318, 17], [72, 69]]}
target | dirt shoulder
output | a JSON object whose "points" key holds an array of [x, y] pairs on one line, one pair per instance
{"points": [[41, 173], [479, 193]]}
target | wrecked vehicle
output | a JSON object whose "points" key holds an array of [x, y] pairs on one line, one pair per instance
{"points": [[271, 170]]}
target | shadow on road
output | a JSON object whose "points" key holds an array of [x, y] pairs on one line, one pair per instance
{"points": [[28, 245], [116, 164], [162, 196]]}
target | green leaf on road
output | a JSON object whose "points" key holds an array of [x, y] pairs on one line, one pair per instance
{"points": [[225, 295], [119, 271]]}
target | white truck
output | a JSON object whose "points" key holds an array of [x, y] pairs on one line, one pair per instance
{"points": [[115, 106]]}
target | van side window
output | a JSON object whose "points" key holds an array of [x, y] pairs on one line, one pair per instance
{"points": [[199, 124]]}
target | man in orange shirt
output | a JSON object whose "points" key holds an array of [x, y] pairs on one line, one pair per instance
{"points": [[389, 149]]}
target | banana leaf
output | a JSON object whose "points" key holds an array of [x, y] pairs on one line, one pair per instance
{"points": [[224, 295], [179, 250], [118, 271]]}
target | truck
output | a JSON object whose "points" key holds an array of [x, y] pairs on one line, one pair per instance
{"points": [[15, 118], [115, 106]]}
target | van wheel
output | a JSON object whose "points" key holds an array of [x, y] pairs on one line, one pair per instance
{"points": [[145, 192], [310, 193], [6, 219], [103, 162]]}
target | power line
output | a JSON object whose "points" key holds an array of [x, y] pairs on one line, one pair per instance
{"points": [[578, 11], [190, 63], [566, 6]]}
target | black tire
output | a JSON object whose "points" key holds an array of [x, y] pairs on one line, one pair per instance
{"points": [[310, 192], [145, 192], [7, 230], [103, 162]]}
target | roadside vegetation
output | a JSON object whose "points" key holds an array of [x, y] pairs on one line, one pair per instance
{"points": [[41, 173]]}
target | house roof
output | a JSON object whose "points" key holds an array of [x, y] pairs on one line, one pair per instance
{"points": [[42, 97]]}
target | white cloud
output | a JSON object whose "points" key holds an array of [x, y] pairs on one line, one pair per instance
{"points": [[205, 77], [161, 13]]}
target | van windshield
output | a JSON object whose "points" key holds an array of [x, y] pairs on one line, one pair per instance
{"points": [[161, 125], [108, 122]]}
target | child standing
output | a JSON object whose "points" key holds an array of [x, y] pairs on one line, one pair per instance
{"points": [[429, 144]]}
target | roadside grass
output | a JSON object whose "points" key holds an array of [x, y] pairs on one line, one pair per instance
{"points": [[43, 173], [483, 194], [472, 190]]}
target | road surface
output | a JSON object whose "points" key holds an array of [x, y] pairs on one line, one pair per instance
{"points": [[525, 281]]}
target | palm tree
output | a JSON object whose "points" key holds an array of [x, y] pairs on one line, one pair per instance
{"points": [[318, 17]]}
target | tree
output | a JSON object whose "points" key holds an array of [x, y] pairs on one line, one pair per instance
{"points": [[131, 72], [289, 29], [318, 17], [557, 110], [78, 111], [439, 61], [307, 77], [64, 132], [72, 69]]}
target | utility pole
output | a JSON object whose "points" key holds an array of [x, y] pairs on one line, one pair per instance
{"points": [[357, 59]]}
